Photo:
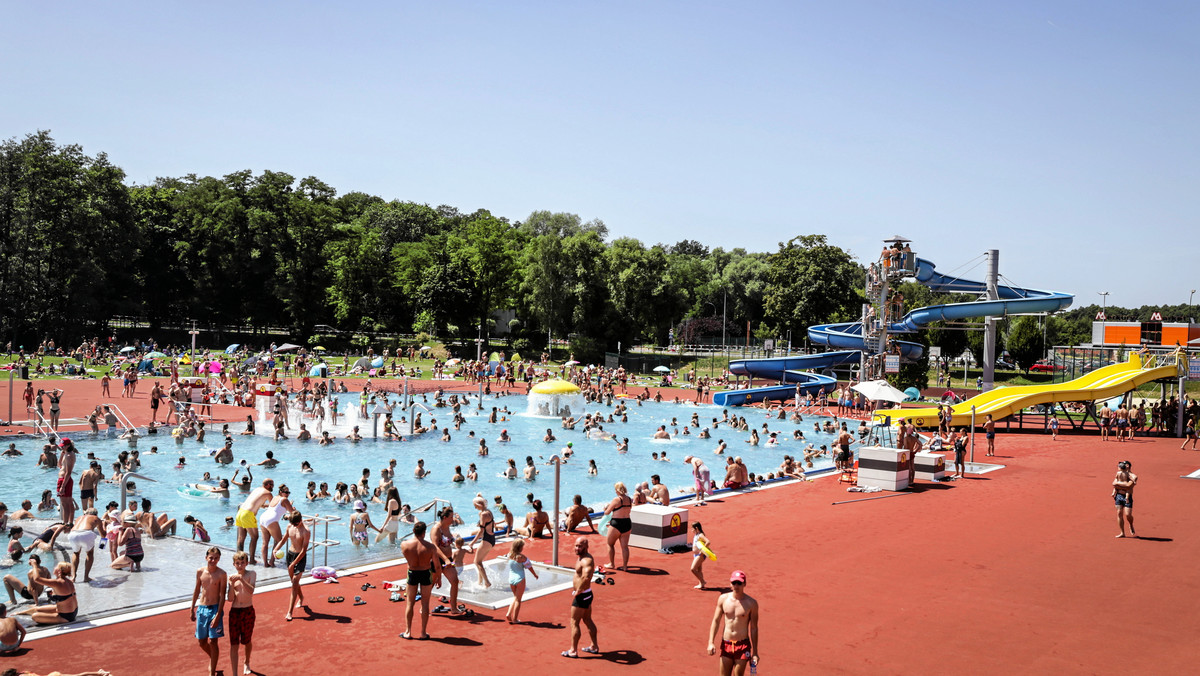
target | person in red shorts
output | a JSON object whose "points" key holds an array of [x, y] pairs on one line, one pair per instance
{"points": [[241, 611], [739, 640]]}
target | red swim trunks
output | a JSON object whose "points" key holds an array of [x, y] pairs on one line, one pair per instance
{"points": [[66, 485], [736, 650], [241, 625]]}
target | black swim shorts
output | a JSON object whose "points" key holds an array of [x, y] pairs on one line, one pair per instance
{"points": [[419, 577], [1123, 500], [582, 599]]}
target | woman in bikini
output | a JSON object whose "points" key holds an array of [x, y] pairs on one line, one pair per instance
{"points": [[391, 523], [66, 604], [485, 538], [443, 539], [535, 522], [619, 526], [268, 521]]}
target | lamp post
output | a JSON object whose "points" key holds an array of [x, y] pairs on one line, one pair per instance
{"points": [[1104, 316], [1190, 295]]}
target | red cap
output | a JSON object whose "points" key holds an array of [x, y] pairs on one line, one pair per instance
{"points": [[738, 576]]}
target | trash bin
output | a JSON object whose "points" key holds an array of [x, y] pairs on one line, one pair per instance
{"points": [[25, 372]]}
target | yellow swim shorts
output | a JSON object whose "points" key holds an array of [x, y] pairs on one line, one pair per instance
{"points": [[246, 519]]}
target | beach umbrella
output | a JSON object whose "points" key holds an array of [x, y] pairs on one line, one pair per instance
{"points": [[155, 355], [912, 393], [661, 369], [425, 347], [362, 363], [250, 361], [128, 348], [571, 363], [879, 390], [232, 348], [376, 362], [287, 347], [215, 367], [318, 349], [453, 362]]}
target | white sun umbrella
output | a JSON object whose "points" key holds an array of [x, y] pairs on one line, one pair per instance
{"points": [[287, 347], [662, 369], [880, 390], [571, 363]]}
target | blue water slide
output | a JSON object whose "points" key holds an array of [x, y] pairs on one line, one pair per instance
{"points": [[1013, 300], [793, 370], [847, 341]]}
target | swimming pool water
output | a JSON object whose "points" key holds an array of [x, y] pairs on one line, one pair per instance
{"points": [[344, 461]]}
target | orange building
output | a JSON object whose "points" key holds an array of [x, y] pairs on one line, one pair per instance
{"points": [[1152, 334]]}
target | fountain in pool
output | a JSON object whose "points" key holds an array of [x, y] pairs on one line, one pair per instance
{"points": [[555, 399]]}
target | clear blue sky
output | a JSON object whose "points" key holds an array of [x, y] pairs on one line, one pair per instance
{"points": [[1063, 133]]}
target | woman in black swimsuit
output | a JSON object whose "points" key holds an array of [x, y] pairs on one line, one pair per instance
{"points": [[619, 526], [485, 539], [66, 604]]}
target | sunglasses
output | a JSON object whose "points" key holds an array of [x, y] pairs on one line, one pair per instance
{"points": [[737, 582]]}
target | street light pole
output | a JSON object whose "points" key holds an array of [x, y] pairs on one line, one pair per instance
{"points": [[1104, 316], [194, 333], [1190, 295]]}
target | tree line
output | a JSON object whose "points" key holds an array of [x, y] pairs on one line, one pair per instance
{"points": [[80, 245]]}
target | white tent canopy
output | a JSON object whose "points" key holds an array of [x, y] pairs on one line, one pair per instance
{"points": [[880, 390]]}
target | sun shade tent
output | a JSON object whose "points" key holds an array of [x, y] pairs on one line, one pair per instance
{"points": [[128, 348], [879, 390], [362, 363], [286, 347]]}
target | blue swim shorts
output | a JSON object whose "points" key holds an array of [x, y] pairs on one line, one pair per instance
{"points": [[204, 617]]}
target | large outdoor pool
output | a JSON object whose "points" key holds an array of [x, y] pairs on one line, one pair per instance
{"points": [[344, 461]]}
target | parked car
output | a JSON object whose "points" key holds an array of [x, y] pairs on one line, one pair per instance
{"points": [[1047, 367], [1004, 364]]}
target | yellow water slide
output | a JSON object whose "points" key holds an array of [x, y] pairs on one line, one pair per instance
{"points": [[1104, 383]]}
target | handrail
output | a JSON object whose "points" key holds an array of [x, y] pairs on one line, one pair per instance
{"points": [[42, 426], [326, 542], [121, 416]]}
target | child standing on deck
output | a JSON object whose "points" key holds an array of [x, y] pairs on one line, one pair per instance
{"points": [[241, 611], [210, 591]]}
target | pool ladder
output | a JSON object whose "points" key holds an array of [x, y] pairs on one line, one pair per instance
{"points": [[326, 542]]}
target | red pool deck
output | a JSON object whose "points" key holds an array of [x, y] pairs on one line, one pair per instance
{"points": [[1014, 571]]}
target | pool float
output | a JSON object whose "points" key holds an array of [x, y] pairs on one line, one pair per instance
{"points": [[707, 552], [603, 523], [324, 573], [196, 491]]}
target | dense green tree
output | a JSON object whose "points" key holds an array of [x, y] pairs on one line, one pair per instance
{"points": [[810, 281], [1024, 342]]}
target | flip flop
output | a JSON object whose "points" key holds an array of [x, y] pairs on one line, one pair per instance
{"points": [[567, 653], [441, 609], [405, 636], [609, 580], [359, 602], [367, 585], [591, 649]]}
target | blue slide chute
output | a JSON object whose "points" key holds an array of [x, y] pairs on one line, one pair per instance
{"points": [[846, 338]]}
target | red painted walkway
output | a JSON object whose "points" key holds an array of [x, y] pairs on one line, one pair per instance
{"points": [[1016, 571]]}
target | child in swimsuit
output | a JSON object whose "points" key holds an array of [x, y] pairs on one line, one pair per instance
{"points": [[518, 563], [198, 530]]}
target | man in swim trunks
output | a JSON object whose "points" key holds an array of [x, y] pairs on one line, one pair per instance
{"points": [[11, 632], [83, 537], [297, 539], [241, 611], [739, 641], [1123, 485], [87, 485], [581, 600], [660, 493], [423, 566], [247, 516], [210, 583], [843, 442]]}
